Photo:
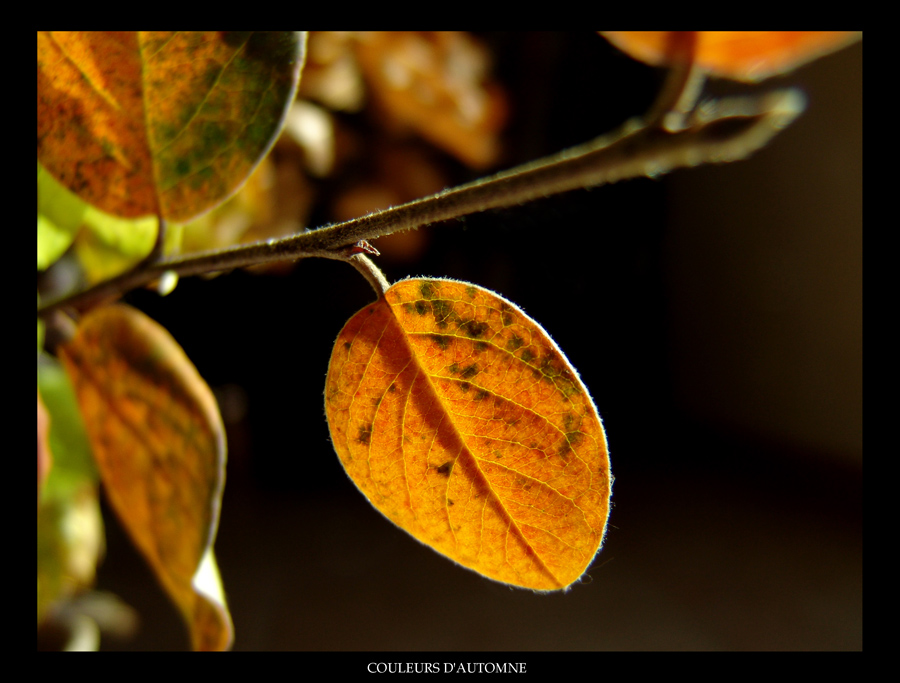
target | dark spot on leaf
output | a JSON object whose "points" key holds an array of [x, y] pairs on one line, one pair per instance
{"points": [[428, 289], [548, 367], [442, 340], [454, 368], [469, 371], [470, 291], [475, 329], [182, 167], [446, 468], [212, 135], [422, 307], [555, 372], [347, 345], [482, 394], [465, 386], [572, 440], [443, 311], [481, 346], [527, 356], [568, 387], [515, 343], [364, 434]]}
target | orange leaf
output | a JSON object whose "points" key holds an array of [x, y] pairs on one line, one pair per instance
{"points": [[463, 423], [739, 55], [165, 123], [159, 444], [436, 83]]}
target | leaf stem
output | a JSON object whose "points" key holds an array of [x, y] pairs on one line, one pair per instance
{"points": [[159, 243], [371, 272], [682, 86], [719, 131]]}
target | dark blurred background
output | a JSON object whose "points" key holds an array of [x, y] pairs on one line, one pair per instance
{"points": [[714, 314]]}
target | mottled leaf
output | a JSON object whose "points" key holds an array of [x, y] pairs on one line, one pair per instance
{"points": [[159, 443], [463, 423], [166, 123]]}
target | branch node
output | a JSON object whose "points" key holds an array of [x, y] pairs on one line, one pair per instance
{"points": [[362, 247]]}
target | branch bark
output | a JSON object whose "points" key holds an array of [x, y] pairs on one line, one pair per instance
{"points": [[719, 131]]}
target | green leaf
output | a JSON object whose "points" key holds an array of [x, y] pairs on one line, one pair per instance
{"points": [[69, 524], [73, 463]]}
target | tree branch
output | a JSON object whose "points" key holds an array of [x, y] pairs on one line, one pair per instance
{"points": [[719, 131]]}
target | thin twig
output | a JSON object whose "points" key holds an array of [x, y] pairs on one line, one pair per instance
{"points": [[721, 131]]}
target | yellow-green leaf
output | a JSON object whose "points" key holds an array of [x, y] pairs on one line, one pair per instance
{"points": [[59, 217], [463, 423], [70, 537], [163, 123], [159, 444]]}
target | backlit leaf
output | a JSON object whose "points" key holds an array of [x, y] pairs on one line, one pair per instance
{"points": [[163, 123], [108, 245], [739, 55], [159, 444], [463, 423]]}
